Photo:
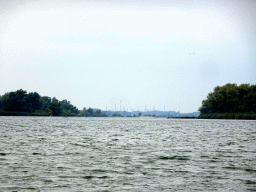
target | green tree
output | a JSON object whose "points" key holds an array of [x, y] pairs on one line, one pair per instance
{"points": [[48, 111], [1, 103], [66, 106], [117, 115], [4, 99], [230, 98], [55, 107], [20, 101], [90, 111], [98, 113], [45, 102], [33, 102], [15, 101], [84, 113]]}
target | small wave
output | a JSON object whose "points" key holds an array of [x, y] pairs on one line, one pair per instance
{"points": [[127, 184], [36, 153], [250, 182], [233, 168], [251, 189], [128, 172], [99, 171], [103, 177], [250, 170], [213, 161], [81, 145], [181, 171], [204, 156], [174, 158], [231, 143], [47, 180], [88, 177], [221, 178]]}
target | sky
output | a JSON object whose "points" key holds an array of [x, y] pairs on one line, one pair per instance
{"points": [[147, 54]]}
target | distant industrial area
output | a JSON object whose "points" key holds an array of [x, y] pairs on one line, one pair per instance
{"points": [[145, 111], [151, 113]]}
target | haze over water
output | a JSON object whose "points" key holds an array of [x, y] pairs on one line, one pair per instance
{"points": [[126, 154]]}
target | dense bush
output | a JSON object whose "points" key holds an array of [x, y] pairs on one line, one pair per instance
{"points": [[19, 103], [230, 102], [230, 98]]}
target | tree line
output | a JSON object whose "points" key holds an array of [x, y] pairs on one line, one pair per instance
{"points": [[22, 103], [231, 99]]}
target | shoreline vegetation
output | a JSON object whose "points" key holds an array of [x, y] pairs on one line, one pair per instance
{"points": [[230, 102], [241, 116], [226, 102], [21, 103]]}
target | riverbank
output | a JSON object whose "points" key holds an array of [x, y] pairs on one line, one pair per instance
{"points": [[182, 117], [5, 113], [248, 116]]}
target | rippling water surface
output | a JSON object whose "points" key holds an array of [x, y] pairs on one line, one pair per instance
{"points": [[126, 154]]}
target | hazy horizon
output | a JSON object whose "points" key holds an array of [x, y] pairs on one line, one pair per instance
{"points": [[163, 54]]}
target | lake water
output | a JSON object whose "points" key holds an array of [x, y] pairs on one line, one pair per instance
{"points": [[126, 154]]}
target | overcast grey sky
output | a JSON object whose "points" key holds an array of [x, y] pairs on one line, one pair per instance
{"points": [[157, 53]]}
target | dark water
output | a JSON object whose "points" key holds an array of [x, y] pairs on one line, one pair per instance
{"points": [[126, 154]]}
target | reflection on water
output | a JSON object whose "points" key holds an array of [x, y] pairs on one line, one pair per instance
{"points": [[126, 154]]}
